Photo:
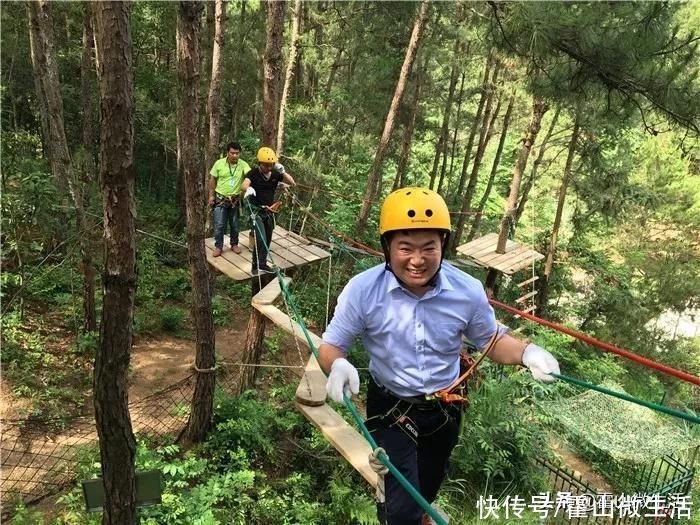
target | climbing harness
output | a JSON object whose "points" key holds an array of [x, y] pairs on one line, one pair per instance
{"points": [[457, 391], [226, 201]]}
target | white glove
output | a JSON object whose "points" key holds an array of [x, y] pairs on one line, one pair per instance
{"points": [[279, 168], [375, 463], [540, 362], [250, 191], [343, 378]]}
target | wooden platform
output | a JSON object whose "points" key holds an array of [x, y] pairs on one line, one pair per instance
{"points": [[482, 251], [288, 250]]}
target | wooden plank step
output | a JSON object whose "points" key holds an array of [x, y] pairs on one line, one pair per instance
{"points": [[312, 387], [526, 297], [530, 280], [527, 311], [348, 441], [271, 291], [282, 320]]}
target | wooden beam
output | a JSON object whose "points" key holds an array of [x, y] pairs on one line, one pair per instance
{"points": [[312, 387], [348, 441], [526, 297], [530, 280], [268, 294]]}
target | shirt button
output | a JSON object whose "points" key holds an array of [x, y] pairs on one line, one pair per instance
{"points": [[419, 325]]}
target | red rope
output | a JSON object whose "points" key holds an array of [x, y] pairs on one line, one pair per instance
{"points": [[600, 344]]}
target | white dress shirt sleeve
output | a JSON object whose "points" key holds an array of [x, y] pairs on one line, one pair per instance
{"points": [[348, 322]]}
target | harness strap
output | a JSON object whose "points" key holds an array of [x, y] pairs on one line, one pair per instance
{"points": [[448, 395]]}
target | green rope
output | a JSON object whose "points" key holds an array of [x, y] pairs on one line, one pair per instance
{"points": [[627, 397], [348, 402]]}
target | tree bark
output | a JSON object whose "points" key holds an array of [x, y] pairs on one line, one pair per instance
{"points": [[484, 137], [272, 67], [407, 140], [293, 51], [214, 96], [543, 291], [441, 147], [62, 166], [535, 167], [87, 268], [255, 332], [475, 125], [494, 170], [117, 444], [538, 110], [375, 172], [188, 60], [453, 149]]}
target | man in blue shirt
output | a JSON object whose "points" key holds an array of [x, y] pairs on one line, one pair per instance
{"points": [[412, 314]]}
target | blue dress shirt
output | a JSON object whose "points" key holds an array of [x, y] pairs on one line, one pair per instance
{"points": [[413, 342]]}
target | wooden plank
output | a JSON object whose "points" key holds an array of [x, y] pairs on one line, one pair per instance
{"points": [[526, 297], [469, 247], [282, 320], [348, 441], [280, 252], [271, 291], [527, 311], [225, 267], [311, 390], [530, 280], [494, 258], [518, 263], [490, 252], [275, 257]]}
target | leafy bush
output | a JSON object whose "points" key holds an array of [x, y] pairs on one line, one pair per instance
{"points": [[501, 436], [171, 318]]}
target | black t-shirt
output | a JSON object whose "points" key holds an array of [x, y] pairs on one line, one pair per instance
{"points": [[264, 188]]}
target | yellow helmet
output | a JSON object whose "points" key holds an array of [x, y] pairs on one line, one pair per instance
{"points": [[414, 209], [267, 155]]}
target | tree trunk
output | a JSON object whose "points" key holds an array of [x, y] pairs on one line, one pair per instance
{"points": [[375, 172], [87, 269], [475, 125], [214, 96], [543, 290], [407, 140], [441, 146], [293, 51], [255, 332], [272, 66], [62, 167], [441, 152], [453, 149], [494, 170], [117, 444], [188, 61], [331, 78], [538, 110], [535, 166], [484, 137]]}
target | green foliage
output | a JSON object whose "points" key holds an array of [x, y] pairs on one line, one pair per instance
{"points": [[501, 436], [30, 363], [171, 318]]}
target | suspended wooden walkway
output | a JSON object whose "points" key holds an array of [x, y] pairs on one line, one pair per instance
{"points": [[287, 251], [311, 392]]}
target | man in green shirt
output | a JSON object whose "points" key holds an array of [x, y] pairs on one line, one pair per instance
{"points": [[225, 195]]}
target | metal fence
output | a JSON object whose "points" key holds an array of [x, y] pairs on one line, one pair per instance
{"points": [[663, 479]]}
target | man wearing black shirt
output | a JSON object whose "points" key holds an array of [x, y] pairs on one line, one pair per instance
{"points": [[259, 186]]}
